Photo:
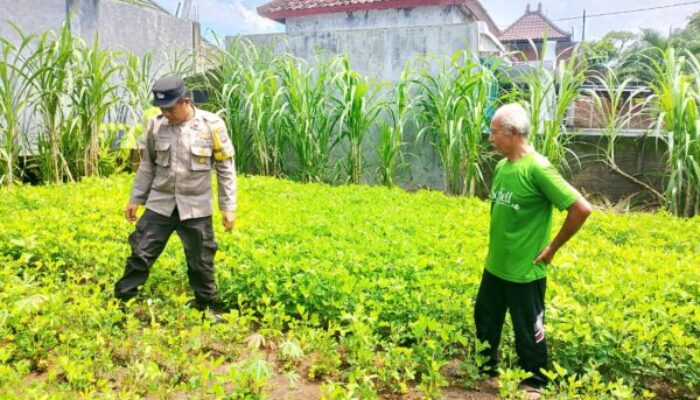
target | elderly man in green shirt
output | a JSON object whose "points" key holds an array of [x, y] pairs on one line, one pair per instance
{"points": [[525, 188]]}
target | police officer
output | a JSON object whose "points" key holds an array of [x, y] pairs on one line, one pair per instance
{"points": [[183, 145]]}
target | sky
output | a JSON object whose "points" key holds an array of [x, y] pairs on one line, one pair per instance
{"points": [[229, 17]]}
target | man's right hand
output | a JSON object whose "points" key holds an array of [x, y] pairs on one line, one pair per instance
{"points": [[130, 212]]}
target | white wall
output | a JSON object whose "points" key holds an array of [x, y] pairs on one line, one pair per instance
{"points": [[378, 53], [120, 25], [389, 18]]}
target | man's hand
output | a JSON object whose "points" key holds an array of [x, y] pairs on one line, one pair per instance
{"points": [[229, 220], [130, 212], [546, 256], [576, 215]]}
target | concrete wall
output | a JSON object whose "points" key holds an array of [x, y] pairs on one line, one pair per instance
{"points": [[120, 25], [641, 157], [378, 53], [369, 19], [32, 16], [123, 26]]}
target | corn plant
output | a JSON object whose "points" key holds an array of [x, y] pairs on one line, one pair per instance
{"points": [[52, 75], [676, 88], [93, 97], [357, 104], [308, 125], [15, 89]]}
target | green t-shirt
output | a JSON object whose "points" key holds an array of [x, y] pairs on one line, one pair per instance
{"points": [[522, 195]]}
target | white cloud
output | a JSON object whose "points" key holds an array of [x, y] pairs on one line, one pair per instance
{"points": [[232, 16], [228, 17]]}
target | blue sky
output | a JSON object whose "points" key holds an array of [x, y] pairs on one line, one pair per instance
{"points": [[228, 17]]}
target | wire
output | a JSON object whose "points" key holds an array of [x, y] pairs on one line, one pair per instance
{"points": [[631, 11]]}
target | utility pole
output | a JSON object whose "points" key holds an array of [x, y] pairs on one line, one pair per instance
{"points": [[583, 30]]}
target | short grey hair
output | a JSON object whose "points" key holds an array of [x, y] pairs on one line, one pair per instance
{"points": [[513, 118]]}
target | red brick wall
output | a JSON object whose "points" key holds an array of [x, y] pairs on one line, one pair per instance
{"points": [[586, 116]]}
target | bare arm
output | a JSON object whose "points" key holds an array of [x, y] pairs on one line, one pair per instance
{"points": [[577, 214]]}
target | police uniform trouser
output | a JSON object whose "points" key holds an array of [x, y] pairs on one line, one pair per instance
{"points": [[526, 304], [149, 239]]}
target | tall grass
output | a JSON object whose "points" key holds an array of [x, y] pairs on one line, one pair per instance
{"points": [[452, 106], [549, 94], [357, 105], [676, 87], [615, 105], [227, 97], [309, 128], [286, 117], [15, 92], [52, 76], [94, 94], [264, 108], [138, 76], [391, 136]]}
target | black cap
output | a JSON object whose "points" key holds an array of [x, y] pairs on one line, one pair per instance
{"points": [[168, 90]]}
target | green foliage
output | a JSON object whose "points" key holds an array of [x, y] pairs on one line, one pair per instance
{"points": [[549, 94], [309, 129], [452, 107], [356, 107], [15, 80], [676, 96], [370, 299]]}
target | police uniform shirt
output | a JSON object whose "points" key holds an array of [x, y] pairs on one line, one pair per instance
{"points": [[180, 174]]}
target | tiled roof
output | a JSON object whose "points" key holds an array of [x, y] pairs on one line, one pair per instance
{"points": [[279, 10], [533, 25]]}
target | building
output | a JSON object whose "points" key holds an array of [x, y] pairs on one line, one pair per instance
{"points": [[534, 37], [138, 26], [380, 36]]}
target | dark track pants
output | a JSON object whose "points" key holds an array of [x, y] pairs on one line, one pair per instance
{"points": [[525, 301], [148, 241]]}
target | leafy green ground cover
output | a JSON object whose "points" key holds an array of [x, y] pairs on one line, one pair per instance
{"points": [[366, 290]]}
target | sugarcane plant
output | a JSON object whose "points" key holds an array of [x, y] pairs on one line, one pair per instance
{"points": [[15, 92], [52, 77], [451, 106], [615, 105], [227, 96], [94, 94], [391, 148], [676, 88], [308, 125], [549, 92], [357, 105], [264, 107]]}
